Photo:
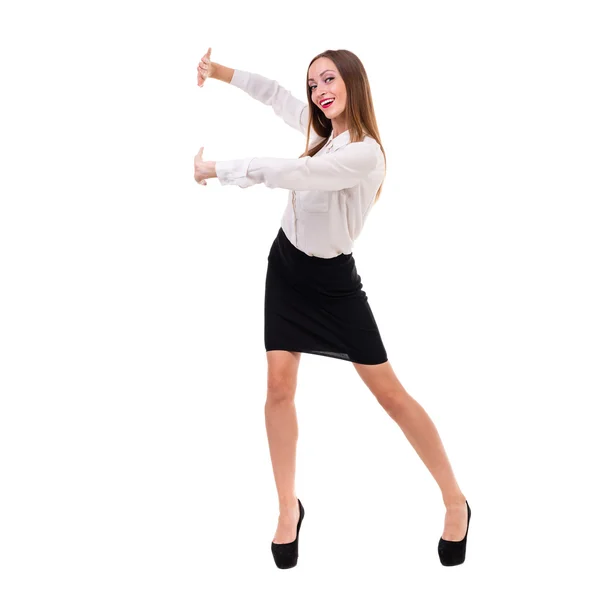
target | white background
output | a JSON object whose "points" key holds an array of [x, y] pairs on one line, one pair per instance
{"points": [[133, 453]]}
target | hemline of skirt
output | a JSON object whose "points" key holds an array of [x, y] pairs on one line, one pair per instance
{"points": [[331, 355]]}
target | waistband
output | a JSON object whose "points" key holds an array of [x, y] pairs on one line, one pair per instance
{"points": [[340, 259]]}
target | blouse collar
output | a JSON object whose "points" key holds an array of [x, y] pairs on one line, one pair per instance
{"points": [[333, 143]]}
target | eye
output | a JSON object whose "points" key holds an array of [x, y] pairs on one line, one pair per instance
{"points": [[311, 87]]}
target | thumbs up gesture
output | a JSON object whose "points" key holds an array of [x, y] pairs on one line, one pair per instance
{"points": [[203, 169], [205, 68]]}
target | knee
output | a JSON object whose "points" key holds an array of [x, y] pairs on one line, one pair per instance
{"points": [[280, 389], [393, 402]]}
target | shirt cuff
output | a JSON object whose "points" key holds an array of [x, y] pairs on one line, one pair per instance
{"points": [[240, 79], [232, 172]]}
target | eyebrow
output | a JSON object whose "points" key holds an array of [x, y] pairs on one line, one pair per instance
{"points": [[325, 71]]}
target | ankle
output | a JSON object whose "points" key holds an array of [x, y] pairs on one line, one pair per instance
{"points": [[454, 500], [288, 506]]}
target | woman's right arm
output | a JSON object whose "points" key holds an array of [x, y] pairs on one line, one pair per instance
{"points": [[292, 110], [285, 105]]}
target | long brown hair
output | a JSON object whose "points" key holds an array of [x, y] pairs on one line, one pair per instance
{"points": [[360, 113]]}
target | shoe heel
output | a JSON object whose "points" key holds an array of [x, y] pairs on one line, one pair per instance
{"points": [[454, 553], [286, 555]]}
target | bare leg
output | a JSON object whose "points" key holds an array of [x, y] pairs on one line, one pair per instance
{"points": [[282, 432], [422, 434]]}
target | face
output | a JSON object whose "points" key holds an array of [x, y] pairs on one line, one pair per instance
{"points": [[325, 81]]}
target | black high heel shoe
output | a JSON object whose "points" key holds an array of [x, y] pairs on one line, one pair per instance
{"points": [[286, 555], [453, 553]]}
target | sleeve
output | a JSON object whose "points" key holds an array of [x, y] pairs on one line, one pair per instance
{"points": [[329, 172], [268, 91]]}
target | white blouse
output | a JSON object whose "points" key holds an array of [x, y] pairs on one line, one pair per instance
{"points": [[331, 193]]}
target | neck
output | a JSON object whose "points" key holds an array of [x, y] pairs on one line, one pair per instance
{"points": [[339, 126], [338, 130]]}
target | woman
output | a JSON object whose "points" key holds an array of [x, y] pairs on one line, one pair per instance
{"points": [[314, 302]]}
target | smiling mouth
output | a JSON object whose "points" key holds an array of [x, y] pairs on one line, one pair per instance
{"points": [[327, 105]]}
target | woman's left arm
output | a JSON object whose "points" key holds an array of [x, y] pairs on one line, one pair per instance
{"points": [[337, 170]]}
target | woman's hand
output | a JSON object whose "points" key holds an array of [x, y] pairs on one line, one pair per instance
{"points": [[203, 169], [205, 68]]}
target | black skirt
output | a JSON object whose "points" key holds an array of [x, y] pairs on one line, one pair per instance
{"points": [[317, 306]]}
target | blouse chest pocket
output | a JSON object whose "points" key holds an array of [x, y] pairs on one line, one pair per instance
{"points": [[312, 202]]}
